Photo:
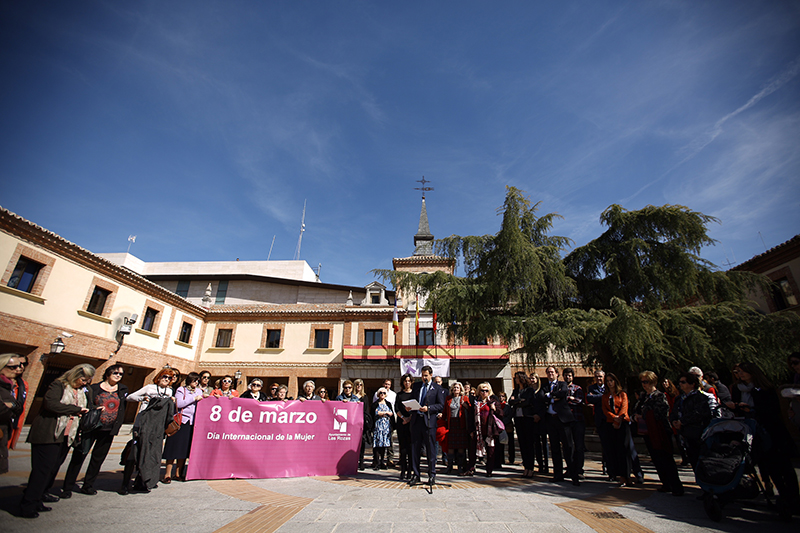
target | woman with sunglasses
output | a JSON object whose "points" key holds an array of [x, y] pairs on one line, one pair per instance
{"points": [[225, 389], [155, 412], [179, 444], [254, 391], [19, 389], [9, 408], [205, 386], [347, 393], [382, 439], [487, 410], [322, 392], [652, 410], [52, 433], [111, 395]]}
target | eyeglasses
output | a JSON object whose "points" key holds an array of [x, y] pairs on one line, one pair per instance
{"points": [[226, 381], [381, 393], [483, 390], [15, 367], [323, 391], [205, 377], [256, 386], [348, 387], [166, 377], [118, 373]]}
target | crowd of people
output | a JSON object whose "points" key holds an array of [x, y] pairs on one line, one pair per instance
{"points": [[466, 426]]}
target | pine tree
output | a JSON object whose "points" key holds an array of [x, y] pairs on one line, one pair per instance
{"points": [[637, 297]]}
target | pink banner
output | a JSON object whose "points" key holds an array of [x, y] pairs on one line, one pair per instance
{"points": [[243, 438]]}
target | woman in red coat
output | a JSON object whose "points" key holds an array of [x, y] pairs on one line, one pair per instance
{"points": [[456, 416]]}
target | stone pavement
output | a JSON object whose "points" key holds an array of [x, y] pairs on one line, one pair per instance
{"points": [[375, 502]]}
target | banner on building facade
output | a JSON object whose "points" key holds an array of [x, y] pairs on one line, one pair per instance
{"points": [[441, 367], [244, 438]]}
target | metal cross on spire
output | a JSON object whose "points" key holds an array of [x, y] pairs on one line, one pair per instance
{"points": [[423, 181]]}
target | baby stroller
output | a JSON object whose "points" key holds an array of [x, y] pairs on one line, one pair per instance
{"points": [[725, 469]]}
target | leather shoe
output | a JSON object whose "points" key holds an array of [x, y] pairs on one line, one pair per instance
{"points": [[89, 491], [43, 508], [29, 514], [431, 481], [66, 494], [415, 480], [49, 498], [124, 490]]}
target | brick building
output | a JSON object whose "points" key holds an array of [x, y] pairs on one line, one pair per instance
{"points": [[274, 320]]}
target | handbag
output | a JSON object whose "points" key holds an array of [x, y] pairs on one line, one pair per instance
{"points": [[503, 437], [90, 421], [174, 425]]}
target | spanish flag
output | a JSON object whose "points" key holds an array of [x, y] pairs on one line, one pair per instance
{"points": [[416, 322], [395, 322]]}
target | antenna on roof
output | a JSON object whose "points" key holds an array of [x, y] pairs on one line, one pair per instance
{"points": [[302, 230], [270, 248]]}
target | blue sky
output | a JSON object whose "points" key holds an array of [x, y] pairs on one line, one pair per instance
{"points": [[202, 127]]}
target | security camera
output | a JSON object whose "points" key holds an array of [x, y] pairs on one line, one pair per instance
{"points": [[67, 335]]}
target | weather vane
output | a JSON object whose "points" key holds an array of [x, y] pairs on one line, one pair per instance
{"points": [[423, 181]]}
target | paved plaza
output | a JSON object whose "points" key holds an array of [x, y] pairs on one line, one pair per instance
{"points": [[375, 502]]}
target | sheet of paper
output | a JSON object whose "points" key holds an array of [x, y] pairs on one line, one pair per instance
{"points": [[412, 405]]}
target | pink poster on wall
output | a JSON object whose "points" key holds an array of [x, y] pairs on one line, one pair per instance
{"points": [[243, 438]]}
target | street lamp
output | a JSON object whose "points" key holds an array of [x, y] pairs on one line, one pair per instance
{"points": [[57, 347], [237, 376]]}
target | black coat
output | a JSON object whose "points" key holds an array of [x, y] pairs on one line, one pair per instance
{"points": [[44, 426], [522, 399], [594, 397], [558, 399], [434, 401]]}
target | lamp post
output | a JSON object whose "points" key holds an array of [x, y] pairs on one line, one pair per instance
{"points": [[236, 377], [57, 346]]}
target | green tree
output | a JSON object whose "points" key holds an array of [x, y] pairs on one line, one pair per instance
{"points": [[637, 297], [510, 276]]}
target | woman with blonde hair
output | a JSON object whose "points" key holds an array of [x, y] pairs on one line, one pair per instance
{"points": [[487, 411], [52, 433]]}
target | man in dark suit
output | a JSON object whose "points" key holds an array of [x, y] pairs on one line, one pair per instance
{"points": [[423, 423], [559, 422], [594, 397]]}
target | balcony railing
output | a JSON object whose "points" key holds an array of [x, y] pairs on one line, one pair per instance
{"points": [[378, 353]]}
